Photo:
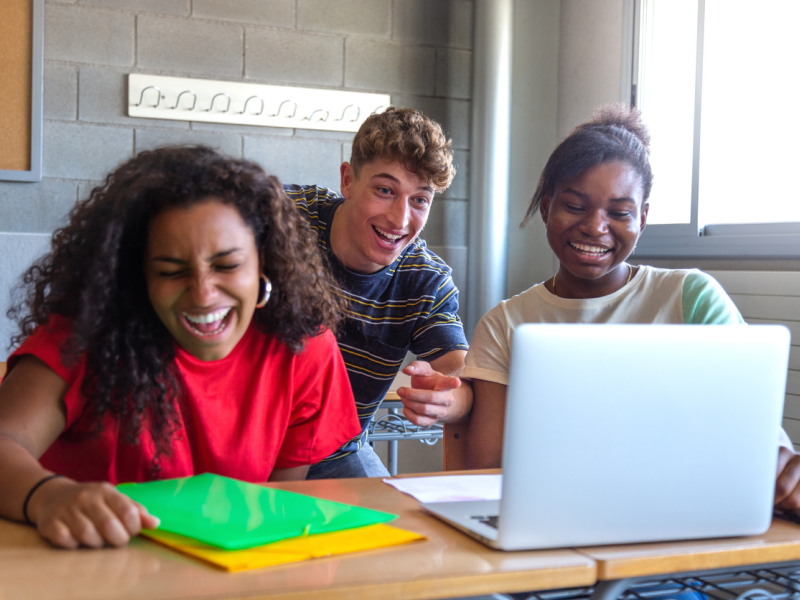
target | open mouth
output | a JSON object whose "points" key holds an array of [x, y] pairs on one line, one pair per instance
{"points": [[387, 237], [208, 324], [590, 249]]}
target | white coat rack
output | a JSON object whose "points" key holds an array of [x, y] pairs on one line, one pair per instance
{"points": [[211, 101]]}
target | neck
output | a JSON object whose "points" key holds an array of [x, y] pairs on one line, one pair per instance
{"points": [[566, 285]]}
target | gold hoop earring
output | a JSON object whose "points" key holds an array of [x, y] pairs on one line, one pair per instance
{"points": [[265, 292]]}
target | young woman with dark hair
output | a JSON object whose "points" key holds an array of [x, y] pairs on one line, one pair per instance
{"points": [[180, 324], [592, 196]]}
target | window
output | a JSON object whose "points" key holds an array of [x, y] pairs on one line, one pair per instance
{"points": [[717, 83]]}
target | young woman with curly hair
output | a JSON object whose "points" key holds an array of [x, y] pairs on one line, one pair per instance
{"points": [[180, 324]]}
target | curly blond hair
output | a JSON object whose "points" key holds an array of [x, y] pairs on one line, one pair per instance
{"points": [[408, 136]]}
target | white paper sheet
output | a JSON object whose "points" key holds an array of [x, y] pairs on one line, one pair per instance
{"points": [[450, 488]]}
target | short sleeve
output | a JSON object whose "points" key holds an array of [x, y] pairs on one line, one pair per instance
{"points": [[323, 416], [46, 343], [704, 302], [489, 355], [442, 331]]}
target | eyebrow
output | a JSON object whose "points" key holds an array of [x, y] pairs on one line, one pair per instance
{"points": [[583, 196], [425, 188], [178, 261]]}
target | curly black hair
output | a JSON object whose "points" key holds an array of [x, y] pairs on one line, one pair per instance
{"points": [[614, 133], [94, 276]]}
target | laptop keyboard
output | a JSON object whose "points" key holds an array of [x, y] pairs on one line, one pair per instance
{"points": [[491, 520]]}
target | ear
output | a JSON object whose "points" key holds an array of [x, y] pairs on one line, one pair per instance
{"points": [[643, 217], [544, 208], [348, 176]]}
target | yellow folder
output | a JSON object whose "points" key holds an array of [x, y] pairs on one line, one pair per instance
{"points": [[296, 549]]}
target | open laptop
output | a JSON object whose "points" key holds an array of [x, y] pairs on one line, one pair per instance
{"points": [[634, 433]]}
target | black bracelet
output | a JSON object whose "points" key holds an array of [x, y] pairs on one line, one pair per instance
{"points": [[33, 489]]}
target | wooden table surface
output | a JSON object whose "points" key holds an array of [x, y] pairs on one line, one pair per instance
{"points": [[780, 543], [447, 564]]}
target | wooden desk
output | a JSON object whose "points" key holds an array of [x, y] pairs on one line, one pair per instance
{"points": [[447, 564], [781, 543]]}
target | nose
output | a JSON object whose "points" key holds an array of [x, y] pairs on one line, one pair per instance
{"points": [[398, 213], [594, 223], [202, 289]]}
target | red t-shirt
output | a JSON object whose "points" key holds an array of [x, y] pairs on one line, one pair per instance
{"points": [[259, 408]]}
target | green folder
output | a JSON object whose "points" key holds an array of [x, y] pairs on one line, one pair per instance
{"points": [[235, 515]]}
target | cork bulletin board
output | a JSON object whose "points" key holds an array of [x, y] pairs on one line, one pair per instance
{"points": [[21, 70]]}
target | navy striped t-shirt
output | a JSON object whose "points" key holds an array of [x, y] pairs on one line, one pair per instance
{"points": [[411, 305]]}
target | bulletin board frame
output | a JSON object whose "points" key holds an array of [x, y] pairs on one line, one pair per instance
{"points": [[22, 80]]}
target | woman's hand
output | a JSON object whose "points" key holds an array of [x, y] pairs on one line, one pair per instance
{"points": [[70, 514]]}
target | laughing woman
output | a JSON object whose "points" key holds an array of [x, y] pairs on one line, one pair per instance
{"points": [[180, 324], [592, 196]]}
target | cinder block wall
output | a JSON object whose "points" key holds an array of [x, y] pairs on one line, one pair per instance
{"points": [[419, 51]]}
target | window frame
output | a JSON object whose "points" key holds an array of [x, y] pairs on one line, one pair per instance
{"points": [[747, 240]]}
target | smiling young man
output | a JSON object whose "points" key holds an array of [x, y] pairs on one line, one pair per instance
{"points": [[400, 296]]}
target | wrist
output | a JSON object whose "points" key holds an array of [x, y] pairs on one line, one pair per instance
{"points": [[38, 494]]}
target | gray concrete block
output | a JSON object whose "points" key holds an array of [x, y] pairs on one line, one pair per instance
{"points": [[305, 162], [292, 57], [85, 188], [389, 67], [454, 73], [361, 17], [147, 139], [439, 22], [448, 223], [277, 13], [35, 207], [60, 92], [459, 189], [18, 251], [104, 99], [164, 7], [342, 136], [88, 35], [453, 115], [189, 46], [73, 151], [245, 129]]}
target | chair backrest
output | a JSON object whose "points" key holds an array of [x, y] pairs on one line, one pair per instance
{"points": [[454, 447]]}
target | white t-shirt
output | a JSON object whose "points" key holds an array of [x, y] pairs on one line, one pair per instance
{"points": [[652, 296]]}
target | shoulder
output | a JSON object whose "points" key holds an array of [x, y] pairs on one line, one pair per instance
{"points": [[660, 276], [417, 259], [312, 198], [46, 343]]}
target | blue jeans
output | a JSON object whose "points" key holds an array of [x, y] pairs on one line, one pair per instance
{"points": [[364, 463]]}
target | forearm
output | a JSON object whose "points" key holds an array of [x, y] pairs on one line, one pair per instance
{"points": [[461, 407], [19, 472]]}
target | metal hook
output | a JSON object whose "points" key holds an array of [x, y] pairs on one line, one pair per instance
{"points": [[344, 112], [246, 102], [150, 87], [319, 110], [211, 106], [280, 106], [178, 101]]}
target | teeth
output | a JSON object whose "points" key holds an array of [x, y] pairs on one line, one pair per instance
{"points": [[209, 318], [385, 234], [591, 249]]}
